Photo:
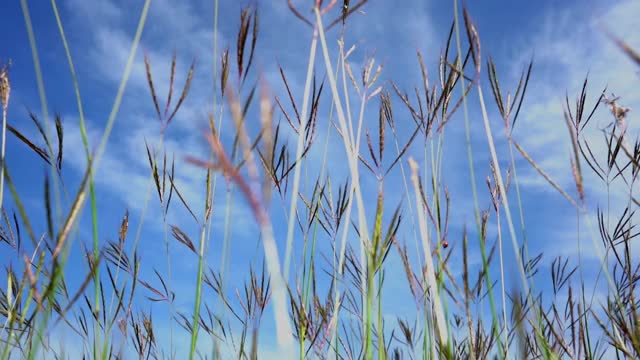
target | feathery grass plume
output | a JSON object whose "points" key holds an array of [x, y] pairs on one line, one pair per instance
{"points": [[44, 153], [5, 86], [246, 15], [506, 104], [626, 49], [5, 92], [164, 116], [225, 71]]}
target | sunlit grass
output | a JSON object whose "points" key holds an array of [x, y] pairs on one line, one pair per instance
{"points": [[324, 277]]}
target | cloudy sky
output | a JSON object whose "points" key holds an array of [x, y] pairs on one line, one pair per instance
{"points": [[565, 41]]}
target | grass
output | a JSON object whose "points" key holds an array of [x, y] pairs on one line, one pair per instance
{"points": [[327, 290]]}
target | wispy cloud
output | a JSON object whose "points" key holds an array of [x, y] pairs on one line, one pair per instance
{"points": [[564, 48]]}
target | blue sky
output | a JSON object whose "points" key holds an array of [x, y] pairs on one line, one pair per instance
{"points": [[563, 39]]}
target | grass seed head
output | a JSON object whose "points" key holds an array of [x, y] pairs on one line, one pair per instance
{"points": [[5, 86]]}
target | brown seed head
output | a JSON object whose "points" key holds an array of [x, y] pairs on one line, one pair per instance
{"points": [[5, 87]]}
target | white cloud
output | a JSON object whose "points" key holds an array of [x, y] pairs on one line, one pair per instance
{"points": [[565, 52]]}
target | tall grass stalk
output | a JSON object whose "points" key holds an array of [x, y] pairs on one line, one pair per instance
{"points": [[351, 150], [431, 282], [473, 182], [5, 91], [85, 142], [299, 149], [44, 107], [92, 166]]}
